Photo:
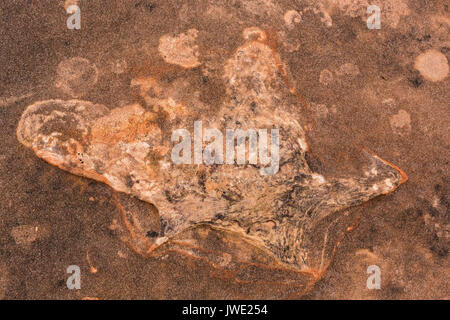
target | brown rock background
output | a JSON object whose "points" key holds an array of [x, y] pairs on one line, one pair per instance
{"points": [[370, 79]]}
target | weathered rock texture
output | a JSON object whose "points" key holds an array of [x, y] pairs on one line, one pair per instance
{"points": [[129, 148]]}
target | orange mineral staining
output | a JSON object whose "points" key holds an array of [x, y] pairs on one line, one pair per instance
{"points": [[129, 148]]}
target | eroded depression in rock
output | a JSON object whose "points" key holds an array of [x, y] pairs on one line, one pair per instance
{"points": [[129, 148]]}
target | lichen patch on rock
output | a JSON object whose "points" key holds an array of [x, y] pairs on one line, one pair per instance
{"points": [[75, 76], [432, 65], [401, 122]]}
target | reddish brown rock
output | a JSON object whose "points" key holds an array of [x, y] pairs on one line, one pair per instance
{"points": [[287, 216]]}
